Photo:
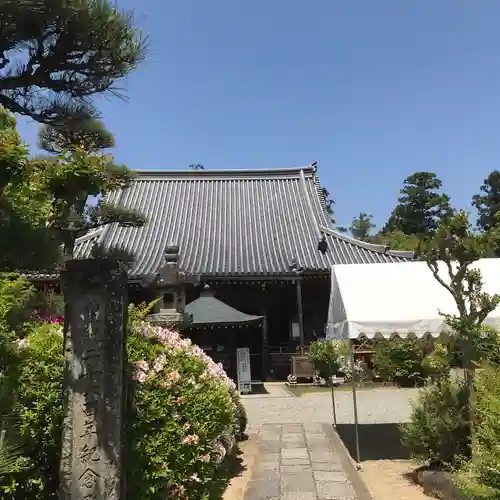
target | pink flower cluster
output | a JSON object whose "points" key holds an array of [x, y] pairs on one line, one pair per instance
{"points": [[173, 340], [46, 317]]}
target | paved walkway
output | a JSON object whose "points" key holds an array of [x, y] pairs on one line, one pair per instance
{"points": [[298, 456], [375, 406], [297, 462]]}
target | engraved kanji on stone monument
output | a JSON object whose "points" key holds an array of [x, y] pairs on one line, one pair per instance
{"points": [[95, 297]]}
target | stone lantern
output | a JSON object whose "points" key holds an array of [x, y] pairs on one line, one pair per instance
{"points": [[169, 289]]}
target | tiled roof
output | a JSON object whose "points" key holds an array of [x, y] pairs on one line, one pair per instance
{"points": [[232, 223]]}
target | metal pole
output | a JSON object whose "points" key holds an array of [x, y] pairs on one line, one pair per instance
{"points": [[300, 312], [333, 405], [355, 406]]}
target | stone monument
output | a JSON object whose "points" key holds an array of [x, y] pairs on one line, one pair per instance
{"points": [[95, 293]]}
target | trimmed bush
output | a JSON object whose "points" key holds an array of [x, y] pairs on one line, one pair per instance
{"points": [[437, 431], [324, 354], [400, 360]]}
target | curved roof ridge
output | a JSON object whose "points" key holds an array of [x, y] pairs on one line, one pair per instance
{"points": [[224, 173], [374, 247]]}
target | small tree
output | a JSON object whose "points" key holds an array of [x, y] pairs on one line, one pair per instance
{"points": [[450, 252]]}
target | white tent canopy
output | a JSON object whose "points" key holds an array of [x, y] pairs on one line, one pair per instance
{"points": [[400, 298]]}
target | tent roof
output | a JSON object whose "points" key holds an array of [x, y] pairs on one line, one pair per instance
{"points": [[401, 299], [208, 310]]}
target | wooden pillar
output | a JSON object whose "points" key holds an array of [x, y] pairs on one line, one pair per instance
{"points": [[300, 312], [264, 306]]}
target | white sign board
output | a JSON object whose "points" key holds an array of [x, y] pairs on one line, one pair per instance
{"points": [[244, 375]]}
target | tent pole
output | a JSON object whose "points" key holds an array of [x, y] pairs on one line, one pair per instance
{"points": [[333, 404], [355, 406]]}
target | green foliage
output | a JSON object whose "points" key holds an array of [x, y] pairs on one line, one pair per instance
{"points": [[137, 313], [13, 152], [487, 203], [87, 134], [15, 293], [468, 485], [38, 411], [395, 240], [487, 449], [25, 242], [437, 431], [449, 254], [488, 346], [79, 172], [437, 364], [55, 55], [325, 356], [241, 414], [399, 359], [361, 226], [329, 202], [9, 455], [480, 479], [420, 207]]}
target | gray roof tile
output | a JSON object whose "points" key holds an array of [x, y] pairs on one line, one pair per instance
{"points": [[232, 223]]}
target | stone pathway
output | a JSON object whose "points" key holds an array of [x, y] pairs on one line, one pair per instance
{"points": [[297, 462]]}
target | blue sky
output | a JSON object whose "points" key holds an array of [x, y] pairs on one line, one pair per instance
{"points": [[372, 90]]}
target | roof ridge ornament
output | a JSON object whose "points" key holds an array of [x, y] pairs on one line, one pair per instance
{"points": [[171, 254]]}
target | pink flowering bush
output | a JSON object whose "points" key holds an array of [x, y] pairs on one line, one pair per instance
{"points": [[181, 421], [184, 415]]}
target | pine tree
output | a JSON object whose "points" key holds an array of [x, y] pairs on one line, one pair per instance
{"points": [[80, 171], [487, 202], [56, 54], [420, 207]]}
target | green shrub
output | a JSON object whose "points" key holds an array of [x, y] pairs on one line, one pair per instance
{"points": [[38, 412], [437, 364], [15, 293], [437, 431], [324, 354], [489, 346], [486, 462], [399, 360], [241, 413], [468, 485]]}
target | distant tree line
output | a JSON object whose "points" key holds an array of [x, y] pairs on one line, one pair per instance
{"points": [[421, 206]]}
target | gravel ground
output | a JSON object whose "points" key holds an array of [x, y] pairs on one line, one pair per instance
{"points": [[384, 405]]}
